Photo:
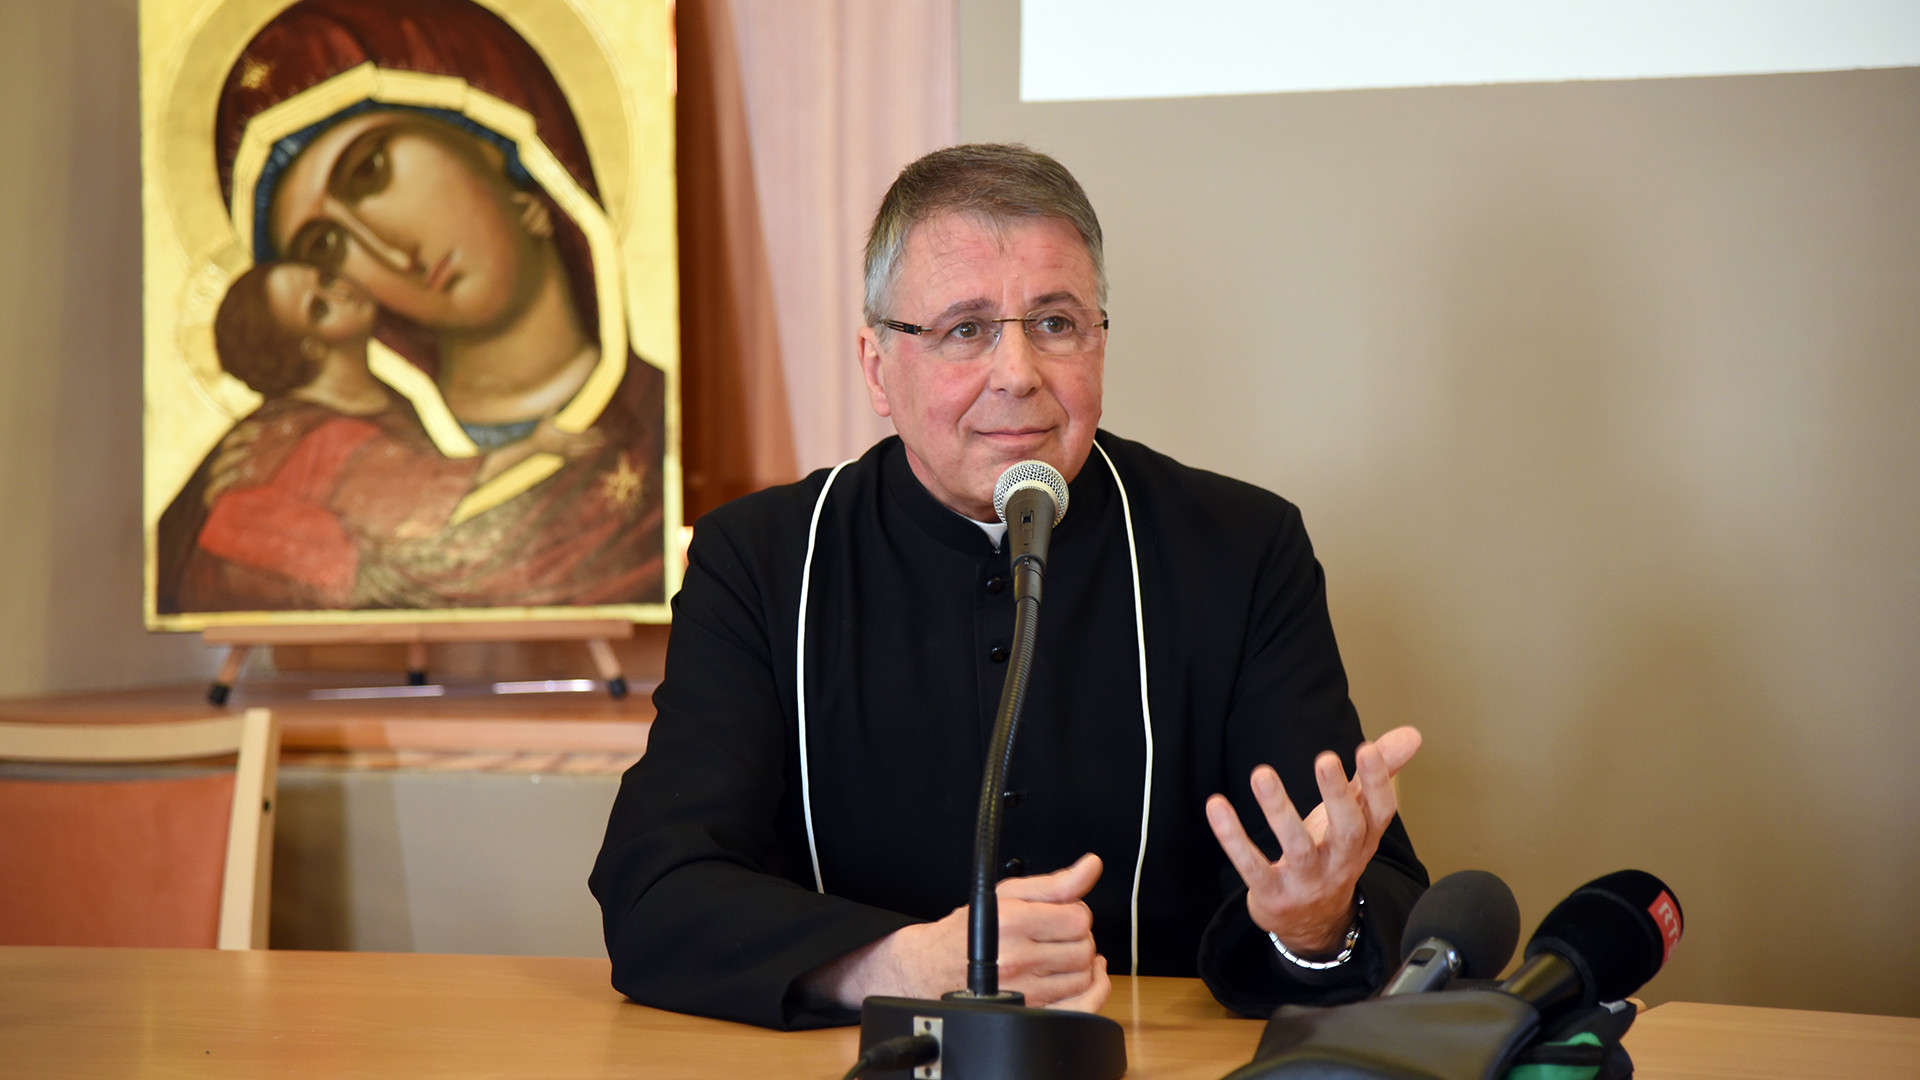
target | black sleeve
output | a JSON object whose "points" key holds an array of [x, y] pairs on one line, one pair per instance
{"points": [[1290, 703], [704, 881]]}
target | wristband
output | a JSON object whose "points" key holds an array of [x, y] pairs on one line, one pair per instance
{"points": [[1346, 947]]}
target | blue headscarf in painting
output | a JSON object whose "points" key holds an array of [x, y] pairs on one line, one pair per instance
{"points": [[287, 149]]}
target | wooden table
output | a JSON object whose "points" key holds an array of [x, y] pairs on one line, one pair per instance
{"points": [[182, 1013]]}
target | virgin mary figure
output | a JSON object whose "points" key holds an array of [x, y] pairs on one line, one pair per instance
{"points": [[422, 150]]}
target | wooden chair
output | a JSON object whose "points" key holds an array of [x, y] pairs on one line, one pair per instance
{"points": [[109, 837]]}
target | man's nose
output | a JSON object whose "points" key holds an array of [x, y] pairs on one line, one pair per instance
{"points": [[1016, 364], [393, 256]]}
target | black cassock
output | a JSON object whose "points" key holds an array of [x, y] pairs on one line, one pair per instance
{"points": [[705, 881]]}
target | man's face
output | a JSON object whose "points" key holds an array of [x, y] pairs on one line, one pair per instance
{"points": [[964, 422]]}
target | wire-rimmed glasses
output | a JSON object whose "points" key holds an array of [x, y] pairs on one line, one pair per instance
{"points": [[1056, 331]]}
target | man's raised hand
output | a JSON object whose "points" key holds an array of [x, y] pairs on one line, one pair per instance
{"points": [[1305, 898]]}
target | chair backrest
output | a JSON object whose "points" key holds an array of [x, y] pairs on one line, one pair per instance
{"points": [[109, 835]]}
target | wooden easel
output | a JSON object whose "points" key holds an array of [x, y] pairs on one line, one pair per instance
{"points": [[241, 641]]}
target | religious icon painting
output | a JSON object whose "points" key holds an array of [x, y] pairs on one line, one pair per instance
{"points": [[412, 337]]}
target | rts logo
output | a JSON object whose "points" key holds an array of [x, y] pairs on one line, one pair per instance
{"points": [[1667, 914]]}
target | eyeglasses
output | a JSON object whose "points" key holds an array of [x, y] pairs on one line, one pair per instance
{"points": [[1056, 331]]}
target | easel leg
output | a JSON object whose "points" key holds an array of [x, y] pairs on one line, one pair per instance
{"points": [[609, 666], [229, 674], [417, 664]]}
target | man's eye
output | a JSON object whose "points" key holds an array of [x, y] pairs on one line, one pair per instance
{"points": [[1054, 324], [320, 244], [964, 330]]}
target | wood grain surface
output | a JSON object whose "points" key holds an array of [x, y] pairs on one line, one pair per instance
{"points": [[205, 1014]]}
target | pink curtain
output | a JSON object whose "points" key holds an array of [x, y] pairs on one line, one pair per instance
{"points": [[795, 116]]}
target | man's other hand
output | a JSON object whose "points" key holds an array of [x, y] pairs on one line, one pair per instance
{"points": [[1305, 898], [1046, 949]]}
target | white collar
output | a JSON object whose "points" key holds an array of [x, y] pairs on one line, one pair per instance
{"points": [[995, 530]]}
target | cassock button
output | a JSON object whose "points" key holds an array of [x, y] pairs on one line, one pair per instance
{"points": [[997, 654], [1014, 867], [1010, 799], [996, 585]]}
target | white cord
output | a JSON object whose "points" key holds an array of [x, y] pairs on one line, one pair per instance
{"points": [[800, 674], [1146, 710]]}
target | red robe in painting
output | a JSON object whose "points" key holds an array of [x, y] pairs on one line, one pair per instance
{"points": [[330, 511]]}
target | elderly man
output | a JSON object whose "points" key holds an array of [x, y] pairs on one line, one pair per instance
{"points": [[799, 833]]}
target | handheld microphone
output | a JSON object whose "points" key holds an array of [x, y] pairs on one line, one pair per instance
{"points": [[1031, 497], [1599, 944], [1466, 925]]}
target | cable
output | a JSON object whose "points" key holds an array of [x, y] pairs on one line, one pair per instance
{"points": [[903, 1052]]}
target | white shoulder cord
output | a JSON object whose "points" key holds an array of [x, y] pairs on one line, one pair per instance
{"points": [[800, 673], [1146, 710]]}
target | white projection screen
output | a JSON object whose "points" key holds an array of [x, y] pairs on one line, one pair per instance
{"points": [[1082, 50]]}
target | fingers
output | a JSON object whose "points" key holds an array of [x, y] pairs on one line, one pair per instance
{"points": [[1398, 746], [1047, 950], [1376, 789], [217, 487], [1296, 840], [1248, 860], [533, 215], [230, 458], [1043, 923], [1059, 887], [243, 433], [1346, 821], [1023, 959], [1094, 996]]}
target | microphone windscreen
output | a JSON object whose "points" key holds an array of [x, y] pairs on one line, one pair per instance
{"points": [[1618, 929], [1030, 473], [1474, 912]]}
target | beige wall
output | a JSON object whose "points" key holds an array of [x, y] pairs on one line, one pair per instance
{"points": [[445, 862], [70, 407], [1600, 401]]}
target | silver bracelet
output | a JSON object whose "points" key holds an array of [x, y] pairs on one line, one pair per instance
{"points": [[1346, 948]]}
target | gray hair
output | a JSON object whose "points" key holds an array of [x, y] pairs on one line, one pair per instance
{"points": [[1000, 182]]}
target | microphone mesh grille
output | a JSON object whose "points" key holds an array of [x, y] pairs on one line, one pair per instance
{"points": [[1030, 474]]}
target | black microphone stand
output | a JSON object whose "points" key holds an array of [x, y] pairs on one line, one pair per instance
{"points": [[984, 1032]]}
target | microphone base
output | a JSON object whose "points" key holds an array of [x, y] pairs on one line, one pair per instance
{"points": [[991, 1040]]}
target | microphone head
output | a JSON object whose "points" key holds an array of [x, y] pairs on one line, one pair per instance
{"points": [[1474, 912], [1030, 474], [1618, 930]]}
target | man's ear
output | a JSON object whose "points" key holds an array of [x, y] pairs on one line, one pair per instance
{"points": [[869, 348], [313, 349]]}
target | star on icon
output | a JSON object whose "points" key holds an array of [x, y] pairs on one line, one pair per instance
{"points": [[622, 485], [254, 73]]}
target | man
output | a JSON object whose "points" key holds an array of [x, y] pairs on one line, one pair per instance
{"points": [[799, 834]]}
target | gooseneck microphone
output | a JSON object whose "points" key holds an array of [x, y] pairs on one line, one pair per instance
{"points": [[1601, 943], [983, 1031], [1465, 926], [1031, 497]]}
